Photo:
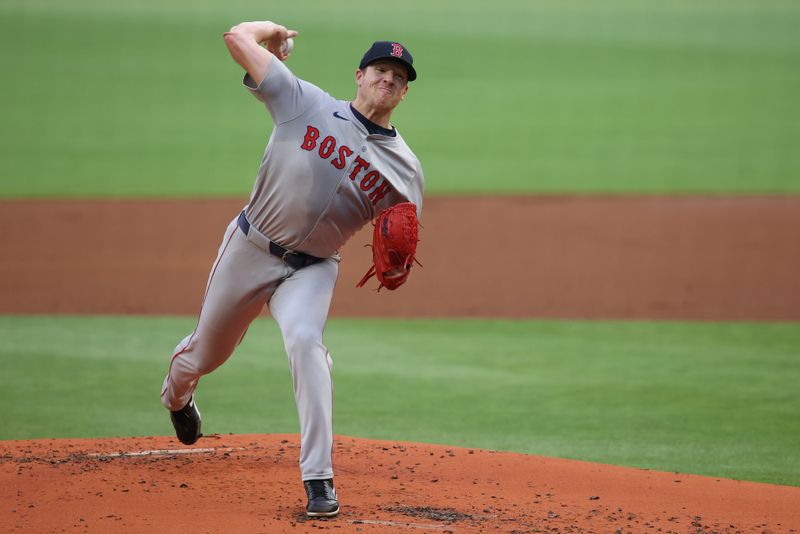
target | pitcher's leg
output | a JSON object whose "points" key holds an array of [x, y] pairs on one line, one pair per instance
{"points": [[300, 306], [238, 286]]}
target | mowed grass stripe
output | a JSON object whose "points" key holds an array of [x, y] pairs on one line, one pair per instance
{"points": [[517, 97], [713, 399]]}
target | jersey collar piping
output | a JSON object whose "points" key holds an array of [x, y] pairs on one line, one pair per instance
{"points": [[374, 131]]}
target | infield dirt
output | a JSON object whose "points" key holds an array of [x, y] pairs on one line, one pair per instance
{"points": [[683, 258], [250, 484]]}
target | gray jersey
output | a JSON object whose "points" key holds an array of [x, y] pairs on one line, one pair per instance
{"points": [[323, 176]]}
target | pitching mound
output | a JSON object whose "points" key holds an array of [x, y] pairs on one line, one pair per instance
{"points": [[251, 484]]}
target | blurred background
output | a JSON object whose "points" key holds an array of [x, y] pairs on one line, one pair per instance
{"points": [[625, 96]]}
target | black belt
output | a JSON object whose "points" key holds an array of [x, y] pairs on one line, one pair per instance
{"points": [[296, 260]]}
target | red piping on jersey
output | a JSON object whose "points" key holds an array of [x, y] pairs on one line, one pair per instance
{"points": [[210, 279]]}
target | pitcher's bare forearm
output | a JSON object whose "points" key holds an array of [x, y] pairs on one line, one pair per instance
{"points": [[253, 45]]}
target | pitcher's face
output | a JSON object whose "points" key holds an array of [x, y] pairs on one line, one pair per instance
{"points": [[383, 83]]}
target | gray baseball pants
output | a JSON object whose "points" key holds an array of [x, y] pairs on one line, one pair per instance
{"points": [[244, 277]]}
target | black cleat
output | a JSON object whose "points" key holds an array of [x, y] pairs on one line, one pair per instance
{"points": [[187, 423], [322, 500]]}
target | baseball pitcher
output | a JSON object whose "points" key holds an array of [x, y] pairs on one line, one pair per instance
{"points": [[330, 167]]}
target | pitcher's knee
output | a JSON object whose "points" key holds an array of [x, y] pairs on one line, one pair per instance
{"points": [[302, 341], [199, 362]]}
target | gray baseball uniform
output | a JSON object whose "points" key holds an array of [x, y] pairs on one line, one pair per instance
{"points": [[322, 178]]}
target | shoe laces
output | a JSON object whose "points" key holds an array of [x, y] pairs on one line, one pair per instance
{"points": [[321, 489]]}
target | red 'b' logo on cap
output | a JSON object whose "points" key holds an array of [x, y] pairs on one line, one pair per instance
{"points": [[397, 50]]}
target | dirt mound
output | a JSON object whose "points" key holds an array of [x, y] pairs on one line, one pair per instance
{"points": [[250, 483]]}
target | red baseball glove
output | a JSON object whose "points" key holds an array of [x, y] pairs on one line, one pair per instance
{"points": [[394, 246]]}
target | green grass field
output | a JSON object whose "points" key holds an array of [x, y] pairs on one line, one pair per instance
{"points": [[620, 96], [714, 399]]}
